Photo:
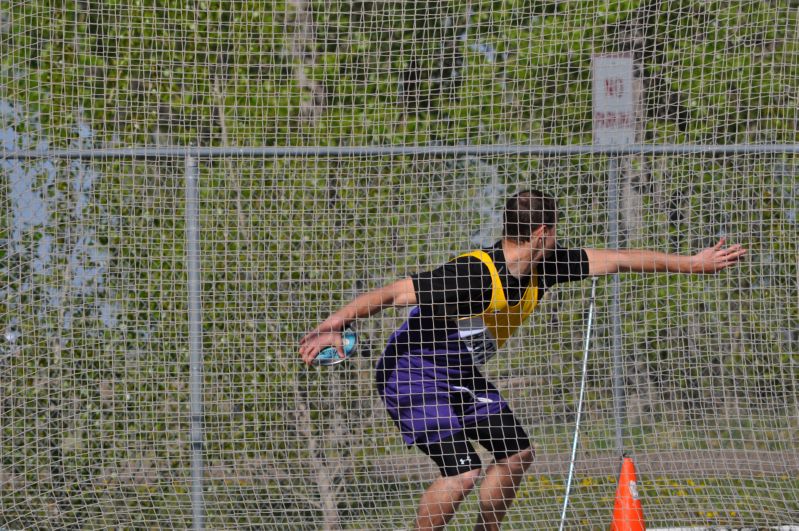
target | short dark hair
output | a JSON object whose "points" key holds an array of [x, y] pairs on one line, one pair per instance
{"points": [[525, 212]]}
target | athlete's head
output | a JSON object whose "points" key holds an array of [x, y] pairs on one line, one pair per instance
{"points": [[526, 212]]}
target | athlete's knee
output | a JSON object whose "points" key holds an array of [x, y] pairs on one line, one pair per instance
{"points": [[466, 481], [520, 461], [526, 457], [441, 499], [455, 487]]}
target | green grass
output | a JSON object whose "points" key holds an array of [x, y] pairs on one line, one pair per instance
{"points": [[667, 501]]}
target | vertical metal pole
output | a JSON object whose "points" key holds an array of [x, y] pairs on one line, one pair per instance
{"points": [[586, 346], [195, 341], [614, 175]]}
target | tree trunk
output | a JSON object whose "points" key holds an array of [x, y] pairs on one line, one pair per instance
{"points": [[302, 47]]}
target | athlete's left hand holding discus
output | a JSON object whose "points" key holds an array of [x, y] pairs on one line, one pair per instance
{"points": [[328, 333]]}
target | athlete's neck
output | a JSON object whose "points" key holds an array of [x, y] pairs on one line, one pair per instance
{"points": [[520, 257]]}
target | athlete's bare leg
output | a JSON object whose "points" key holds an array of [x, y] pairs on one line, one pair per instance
{"points": [[442, 498], [499, 487]]}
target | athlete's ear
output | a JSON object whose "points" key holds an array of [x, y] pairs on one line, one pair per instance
{"points": [[539, 232]]}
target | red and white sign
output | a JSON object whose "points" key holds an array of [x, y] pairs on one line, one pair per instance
{"points": [[614, 104]]}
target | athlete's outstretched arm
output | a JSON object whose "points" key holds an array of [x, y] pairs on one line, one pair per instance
{"points": [[399, 293], [710, 260]]}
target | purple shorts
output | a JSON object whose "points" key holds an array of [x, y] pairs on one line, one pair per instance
{"points": [[430, 391]]}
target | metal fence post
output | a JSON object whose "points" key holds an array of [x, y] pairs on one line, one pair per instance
{"points": [[614, 192], [195, 341]]}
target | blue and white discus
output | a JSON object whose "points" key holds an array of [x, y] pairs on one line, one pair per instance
{"points": [[329, 355]]}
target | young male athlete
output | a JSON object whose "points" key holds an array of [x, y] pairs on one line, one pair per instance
{"points": [[429, 375]]}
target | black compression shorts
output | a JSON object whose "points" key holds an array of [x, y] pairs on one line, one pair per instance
{"points": [[501, 434]]}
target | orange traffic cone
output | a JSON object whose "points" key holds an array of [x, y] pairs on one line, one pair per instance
{"points": [[628, 513]]}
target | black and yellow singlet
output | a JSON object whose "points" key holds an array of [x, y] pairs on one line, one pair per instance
{"points": [[474, 297], [484, 333]]}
